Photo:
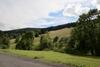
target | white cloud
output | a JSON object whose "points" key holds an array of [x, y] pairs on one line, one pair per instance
{"points": [[18, 12], [78, 7], [98, 4], [23, 13]]}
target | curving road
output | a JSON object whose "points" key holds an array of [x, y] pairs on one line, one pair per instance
{"points": [[11, 61]]}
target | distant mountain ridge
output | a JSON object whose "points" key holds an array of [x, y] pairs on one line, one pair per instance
{"points": [[17, 32]]}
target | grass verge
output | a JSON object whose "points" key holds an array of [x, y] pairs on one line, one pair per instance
{"points": [[51, 56]]}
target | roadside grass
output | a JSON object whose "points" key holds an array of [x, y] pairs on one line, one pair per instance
{"points": [[50, 56]]}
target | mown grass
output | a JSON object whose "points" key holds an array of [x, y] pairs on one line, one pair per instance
{"points": [[59, 57]]}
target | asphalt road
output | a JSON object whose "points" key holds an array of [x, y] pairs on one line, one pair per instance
{"points": [[11, 61]]}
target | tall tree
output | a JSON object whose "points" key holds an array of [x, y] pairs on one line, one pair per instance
{"points": [[26, 42], [45, 42], [83, 38], [97, 46], [4, 42]]}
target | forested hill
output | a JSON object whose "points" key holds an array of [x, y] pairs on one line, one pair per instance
{"points": [[60, 27], [17, 32]]}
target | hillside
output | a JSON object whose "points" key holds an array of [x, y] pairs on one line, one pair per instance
{"points": [[60, 29], [65, 32]]}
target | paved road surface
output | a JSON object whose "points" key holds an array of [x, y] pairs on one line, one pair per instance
{"points": [[11, 61]]}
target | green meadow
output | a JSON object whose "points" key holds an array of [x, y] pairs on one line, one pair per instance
{"points": [[50, 56]]}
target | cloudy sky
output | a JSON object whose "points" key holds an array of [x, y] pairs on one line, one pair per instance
{"points": [[16, 14]]}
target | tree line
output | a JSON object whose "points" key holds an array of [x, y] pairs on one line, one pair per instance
{"points": [[38, 31], [85, 37], [26, 42]]}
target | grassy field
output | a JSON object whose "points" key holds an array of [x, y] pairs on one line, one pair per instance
{"points": [[65, 32], [59, 57]]}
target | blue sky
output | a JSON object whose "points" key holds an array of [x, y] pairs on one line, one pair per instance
{"points": [[16, 14]]}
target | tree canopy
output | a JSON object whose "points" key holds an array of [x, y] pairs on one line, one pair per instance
{"points": [[85, 36]]}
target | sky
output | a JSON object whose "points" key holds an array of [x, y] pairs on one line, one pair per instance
{"points": [[15, 14]]}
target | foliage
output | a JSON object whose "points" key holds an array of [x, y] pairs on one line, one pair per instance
{"points": [[17, 39], [59, 44], [45, 42], [97, 45], [26, 42], [55, 39], [84, 36], [4, 42], [36, 34]]}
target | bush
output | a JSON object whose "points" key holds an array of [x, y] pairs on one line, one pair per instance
{"points": [[45, 42], [17, 39], [59, 44], [36, 34], [26, 42], [4, 42], [55, 39], [85, 37]]}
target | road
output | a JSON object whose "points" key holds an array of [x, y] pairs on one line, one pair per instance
{"points": [[12, 61]]}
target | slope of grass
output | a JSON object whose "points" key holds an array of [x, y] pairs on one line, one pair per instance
{"points": [[65, 32], [59, 57]]}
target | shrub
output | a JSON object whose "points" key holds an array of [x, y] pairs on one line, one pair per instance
{"points": [[59, 44], [45, 42], [4, 42], [85, 36], [26, 42], [17, 39]]}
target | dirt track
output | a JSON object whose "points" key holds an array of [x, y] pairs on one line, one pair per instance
{"points": [[12, 61]]}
